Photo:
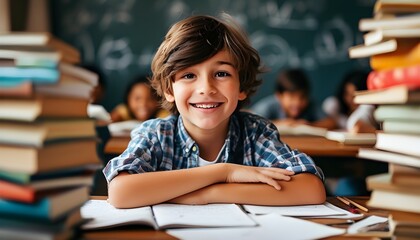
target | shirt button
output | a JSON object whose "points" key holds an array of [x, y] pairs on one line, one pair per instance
{"points": [[187, 150], [194, 148]]}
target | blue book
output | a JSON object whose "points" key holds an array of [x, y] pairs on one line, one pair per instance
{"points": [[51, 207], [11, 76]]}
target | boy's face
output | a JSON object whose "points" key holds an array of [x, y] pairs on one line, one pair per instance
{"points": [[293, 103], [141, 102], [206, 94]]}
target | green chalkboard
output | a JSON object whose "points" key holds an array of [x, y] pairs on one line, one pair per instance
{"points": [[121, 36]]}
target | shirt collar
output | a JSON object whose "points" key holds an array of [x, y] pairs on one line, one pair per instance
{"points": [[186, 142]]}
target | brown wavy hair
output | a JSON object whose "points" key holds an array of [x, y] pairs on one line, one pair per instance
{"points": [[196, 39]]}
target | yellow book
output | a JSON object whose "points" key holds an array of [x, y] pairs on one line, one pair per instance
{"points": [[407, 54]]}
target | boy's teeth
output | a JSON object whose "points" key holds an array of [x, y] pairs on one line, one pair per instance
{"points": [[206, 105]]}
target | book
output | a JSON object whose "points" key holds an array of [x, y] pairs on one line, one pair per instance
{"points": [[390, 157], [400, 143], [98, 112], [404, 223], [367, 24], [164, 216], [31, 192], [381, 35], [51, 207], [301, 130], [384, 181], [388, 196], [12, 76], [41, 131], [67, 86], [361, 51], [407, 54], [122, 128], [401, 126], [6, 233], [19, 58], [26, 178], [42, 106], [396, 6], [381, 79], [352, 138], [400, 94], [52, 156], [21, 90], [404, 175], [72, 219], [38, 41], [397, 112]]}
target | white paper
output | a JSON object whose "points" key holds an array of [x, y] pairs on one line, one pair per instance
{"points": [[211, 215], [271, 226], [346, 214], [354, 228], [104, 215], [296, 211]]}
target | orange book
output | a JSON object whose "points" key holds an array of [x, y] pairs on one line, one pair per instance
{"points": [[407, 54]]}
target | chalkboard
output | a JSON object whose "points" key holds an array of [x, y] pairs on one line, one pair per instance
{"points": [[121, 36]]}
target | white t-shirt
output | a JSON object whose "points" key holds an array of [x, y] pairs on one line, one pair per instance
{"points": [[203, 162], [331, 107]]}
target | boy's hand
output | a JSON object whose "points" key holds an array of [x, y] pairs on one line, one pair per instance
{"points": [[240, 174]]}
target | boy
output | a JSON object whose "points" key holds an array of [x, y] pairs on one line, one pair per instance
{"points": [[208, 151], [290, 104]]}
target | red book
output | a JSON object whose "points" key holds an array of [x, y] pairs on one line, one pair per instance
{"points": [[380, 79]]}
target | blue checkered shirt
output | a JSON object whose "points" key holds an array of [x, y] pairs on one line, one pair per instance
{"points": [[164, 144]]}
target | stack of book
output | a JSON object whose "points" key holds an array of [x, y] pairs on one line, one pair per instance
{"points": [[393, 45], [47, 142]]}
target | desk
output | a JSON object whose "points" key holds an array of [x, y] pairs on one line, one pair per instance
{"points": [[311, 145], [143, 233]]}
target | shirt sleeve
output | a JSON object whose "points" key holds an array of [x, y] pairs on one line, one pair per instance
{"points": [[272, 152], [141, 155]]}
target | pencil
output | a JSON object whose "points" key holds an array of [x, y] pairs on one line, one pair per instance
{"points": [[357, 205], [349, 202]]}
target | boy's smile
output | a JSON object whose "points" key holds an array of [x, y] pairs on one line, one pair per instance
{"points": [[206, 94]]}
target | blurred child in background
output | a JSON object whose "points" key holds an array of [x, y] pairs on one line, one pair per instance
{"points": [[347, 114], [291, 105], [140, 103]]}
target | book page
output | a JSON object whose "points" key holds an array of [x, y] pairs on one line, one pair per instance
{"points": [[104, 215], [320, 210], [271, 226], [210, 215]]}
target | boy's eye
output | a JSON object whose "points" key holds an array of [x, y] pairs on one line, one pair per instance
{"points": [[222, 74], [188, 76]]}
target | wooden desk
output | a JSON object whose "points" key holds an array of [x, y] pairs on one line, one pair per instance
{"points": [[313, 146], [137, 232]]}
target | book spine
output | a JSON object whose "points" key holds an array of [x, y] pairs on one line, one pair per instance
{"points": [[16, 192], [38, 210], [381, 79], [407, 54], [10, 76]]}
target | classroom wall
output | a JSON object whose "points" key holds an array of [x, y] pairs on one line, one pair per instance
{"points": [[121, 36]]}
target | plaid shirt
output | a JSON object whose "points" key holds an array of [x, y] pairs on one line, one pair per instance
{"points": [[164, 144]]}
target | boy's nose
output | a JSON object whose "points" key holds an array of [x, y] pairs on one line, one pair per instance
{"points": [[206, 86]]}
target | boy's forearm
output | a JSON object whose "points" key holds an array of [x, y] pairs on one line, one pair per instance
{"points": [[135, 190], [303, 189]]}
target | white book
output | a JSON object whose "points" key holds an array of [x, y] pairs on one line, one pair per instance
{"points": [[122, 128], [352, 138], [361, 51], [380, 35], [301, 130], [390, 157], [164, 216], [400, 143], [409, 21]]}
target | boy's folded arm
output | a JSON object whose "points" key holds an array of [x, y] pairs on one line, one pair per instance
{"points": [[304, 188], [136, 190]]}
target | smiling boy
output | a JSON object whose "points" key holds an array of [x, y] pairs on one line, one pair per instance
{"points": [[208, 151]]}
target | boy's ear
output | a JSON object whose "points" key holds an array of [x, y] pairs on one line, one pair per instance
{"points": [[242, 96], [169, 97]]}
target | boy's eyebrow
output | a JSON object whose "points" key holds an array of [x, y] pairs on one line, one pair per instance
{"points": [[225, 62]]}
